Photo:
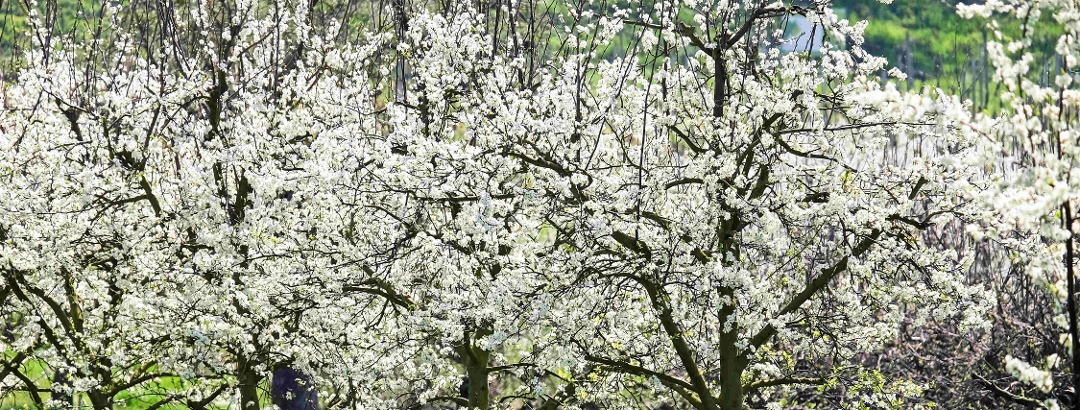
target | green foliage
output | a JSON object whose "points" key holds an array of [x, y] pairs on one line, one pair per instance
{"points": [[947, 50], [15, 26]]}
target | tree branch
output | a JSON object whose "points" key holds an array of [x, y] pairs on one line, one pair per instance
{"points": [[814, 286], [679, 386]]}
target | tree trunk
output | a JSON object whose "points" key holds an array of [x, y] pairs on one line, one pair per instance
{"points": [[248, 385], [475, 361], [99, 400], [731, 392], [1071, 305], [732, 361]]}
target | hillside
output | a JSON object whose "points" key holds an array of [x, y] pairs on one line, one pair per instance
{"points": [[946, 50]]}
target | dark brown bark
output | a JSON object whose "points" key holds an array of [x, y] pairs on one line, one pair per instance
{"points": [[1071, 304], [732, 363]]}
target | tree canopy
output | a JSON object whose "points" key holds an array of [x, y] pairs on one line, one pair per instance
{"points": [[527, 204]]}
